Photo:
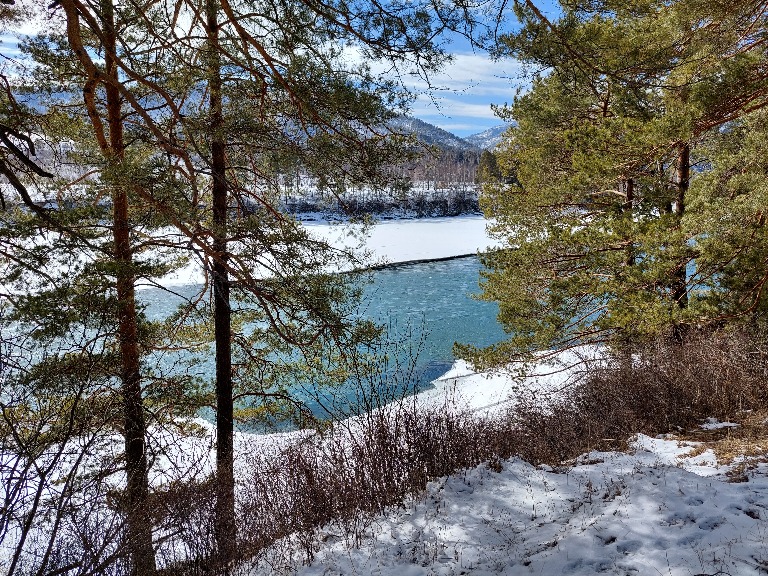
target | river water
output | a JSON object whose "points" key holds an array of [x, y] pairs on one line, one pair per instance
{"points": [[437, 296], [428, 303]]}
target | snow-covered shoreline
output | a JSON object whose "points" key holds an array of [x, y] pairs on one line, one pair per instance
{"points": [[394, 241], [397, 241], [666, 506]]}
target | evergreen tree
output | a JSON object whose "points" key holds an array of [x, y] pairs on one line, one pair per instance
{"points": [[280, 87], [183, 116], [726, 216], [488, 168], [598, 246], [81, 260]]}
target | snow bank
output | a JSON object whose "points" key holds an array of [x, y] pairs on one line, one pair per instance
{"points": [[389, 241], [397, 241], [484, 392], [664, 508]]}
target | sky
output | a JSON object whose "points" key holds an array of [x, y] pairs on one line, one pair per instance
{"points": [[467, 88], [458, 99], [471, 83]]}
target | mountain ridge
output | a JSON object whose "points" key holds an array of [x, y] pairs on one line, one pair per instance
{"points": [[436, 136]]}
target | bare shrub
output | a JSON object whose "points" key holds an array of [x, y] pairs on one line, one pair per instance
{"points": [[338, 480], [665, 386]]}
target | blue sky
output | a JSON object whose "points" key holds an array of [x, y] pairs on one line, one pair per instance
{"points": [[471, 83], [465, 91], [459, 98]]}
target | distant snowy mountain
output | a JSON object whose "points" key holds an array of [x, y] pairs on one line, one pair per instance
{"points": [[430, 134], [487, 139]]}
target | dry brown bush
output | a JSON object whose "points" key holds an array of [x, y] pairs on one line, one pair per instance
{"points": [[665, 386]]}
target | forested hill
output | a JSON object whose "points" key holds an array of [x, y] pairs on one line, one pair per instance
{"points": [[433, 135], [487, 139]]}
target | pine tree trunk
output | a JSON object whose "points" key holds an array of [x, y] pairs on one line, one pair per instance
{"points": [[137, 491], [682, 179], [626, 342], [225, 529], [629, 186]]}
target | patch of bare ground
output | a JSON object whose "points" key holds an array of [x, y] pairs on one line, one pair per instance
{"points": [[743, 445]]}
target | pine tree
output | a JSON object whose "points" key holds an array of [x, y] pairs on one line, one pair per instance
{"points": [[106, 239], [488, 168], [597, 242], [195, 112], [279, 90]]}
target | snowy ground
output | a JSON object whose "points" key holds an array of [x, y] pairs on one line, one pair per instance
{"points": [[460, 389], [463, 389], [665, 508], [654, 511], [419, 239]]}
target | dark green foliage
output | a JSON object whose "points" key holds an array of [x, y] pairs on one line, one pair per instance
{"points": [[488, 168], [611, 232]]}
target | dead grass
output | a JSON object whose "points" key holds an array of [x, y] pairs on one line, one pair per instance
{"points": [[747, 442]]}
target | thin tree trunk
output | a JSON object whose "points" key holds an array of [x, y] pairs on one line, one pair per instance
{"points": [[626, 342], [682, 180], [629, 186], [139, 522], [225, 529]]}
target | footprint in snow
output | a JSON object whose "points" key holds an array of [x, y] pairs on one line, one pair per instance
{"points": [[606, 538], [629, 546], [677, 519], [711, 523]]}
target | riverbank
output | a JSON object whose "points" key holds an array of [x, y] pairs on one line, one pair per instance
{"points": [[417, 240]]}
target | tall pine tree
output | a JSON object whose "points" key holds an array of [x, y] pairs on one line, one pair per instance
{"points": [[599, 241]]}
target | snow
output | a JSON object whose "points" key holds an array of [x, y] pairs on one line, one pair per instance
{"points": [[653, 511], [486, 392], [490, 138], [420, 239], [389, 241], [665, 507], [714, 424]]}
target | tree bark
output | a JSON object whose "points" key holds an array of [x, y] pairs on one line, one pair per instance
{"points": [[682, 180], [629, 186], [626, 339], [225, 529], [137, 491]]}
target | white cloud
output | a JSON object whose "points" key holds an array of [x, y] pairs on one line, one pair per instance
{"points": [[450, 108], [459, 98], [478, 75]]}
